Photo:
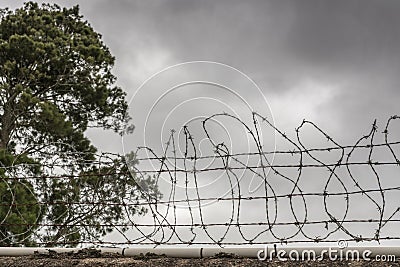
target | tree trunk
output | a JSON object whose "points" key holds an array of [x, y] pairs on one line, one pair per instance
{"points": [[6, 126]]}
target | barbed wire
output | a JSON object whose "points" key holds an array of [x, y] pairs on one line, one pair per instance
{"points": [[178, 196]]}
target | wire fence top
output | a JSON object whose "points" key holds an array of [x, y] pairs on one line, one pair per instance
{"points": [[178, 195]]}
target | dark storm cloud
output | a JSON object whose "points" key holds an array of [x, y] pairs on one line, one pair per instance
{"points": [[261, 34], [244, 35], [352, 44], [346, 33]]}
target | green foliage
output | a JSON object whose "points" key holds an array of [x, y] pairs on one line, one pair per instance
{"points": [[55, 83], [56, 78], [18, 220], [105, 186]]}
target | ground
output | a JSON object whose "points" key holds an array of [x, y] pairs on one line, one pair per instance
{"points": [[110, 260]]}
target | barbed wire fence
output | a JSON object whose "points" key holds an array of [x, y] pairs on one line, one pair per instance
{"points": [[182, 197]]}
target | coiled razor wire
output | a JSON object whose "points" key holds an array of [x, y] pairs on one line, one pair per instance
{"points": [[186, 215]]}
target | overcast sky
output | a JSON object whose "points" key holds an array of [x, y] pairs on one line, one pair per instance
{"points": [[336, 62], [331, 60]]}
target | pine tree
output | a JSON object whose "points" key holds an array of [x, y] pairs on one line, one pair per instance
{"points": [[55, 83]]}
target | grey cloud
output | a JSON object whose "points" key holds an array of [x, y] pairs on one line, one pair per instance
{"points": [[349, 32], [353, 45]]}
